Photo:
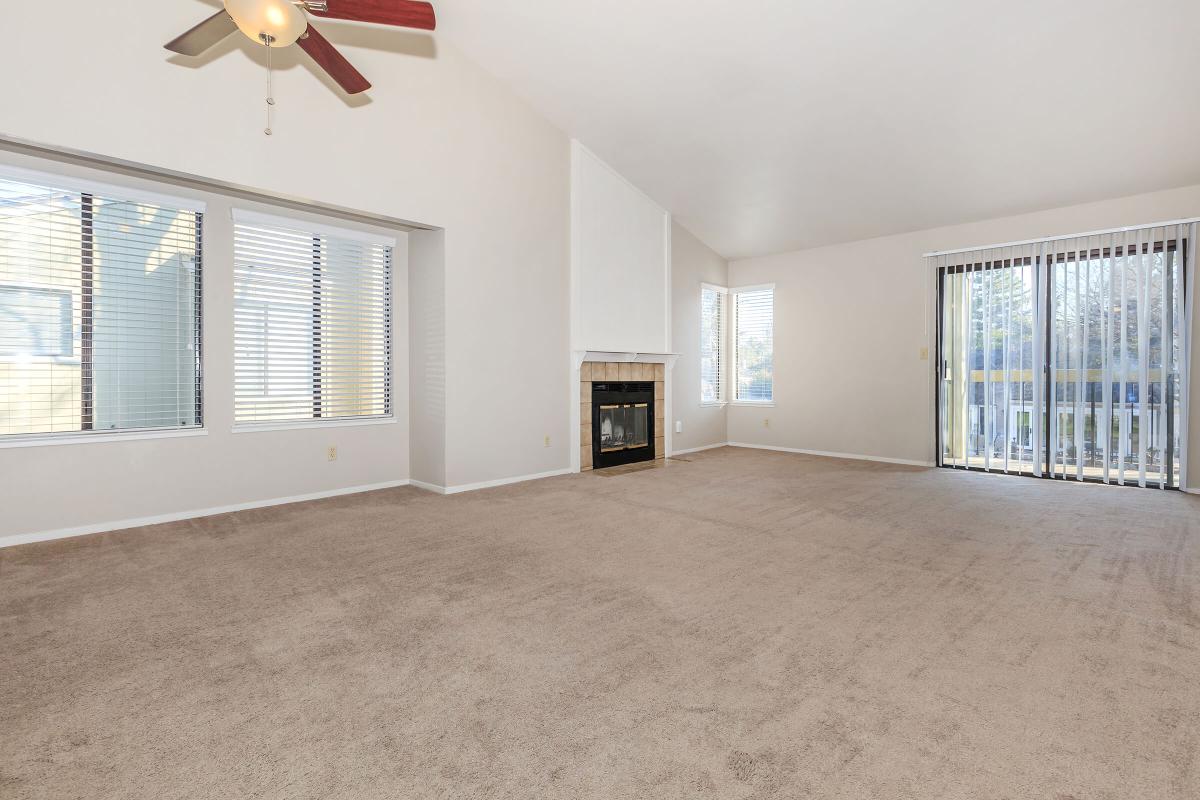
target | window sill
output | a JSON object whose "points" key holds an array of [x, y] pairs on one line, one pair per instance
{"points": [[256, 427], [754, 403], [47, 439], [710, 404]]}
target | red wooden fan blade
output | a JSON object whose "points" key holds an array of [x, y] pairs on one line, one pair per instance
{"points": [[333, 62], [404, 13]]}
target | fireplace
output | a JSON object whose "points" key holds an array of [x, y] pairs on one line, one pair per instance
{"points": [[622, 422], [621, 413]]}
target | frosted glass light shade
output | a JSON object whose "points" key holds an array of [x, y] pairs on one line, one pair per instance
{"points": [[276, 18]]}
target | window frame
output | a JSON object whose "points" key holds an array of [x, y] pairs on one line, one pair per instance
{"points": [[89, 189], [317, 227], [733, 340], [722, 344]]}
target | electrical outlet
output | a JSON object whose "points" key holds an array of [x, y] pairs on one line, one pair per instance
{"points": [[679, 426], [924, 353], [766, 422], [547, 441], [332, 453]]}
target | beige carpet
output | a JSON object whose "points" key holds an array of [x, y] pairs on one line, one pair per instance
{"points": [[745, 625]]}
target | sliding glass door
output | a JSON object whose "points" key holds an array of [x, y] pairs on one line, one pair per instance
{"points": [[1066, 358], [987, 389]]}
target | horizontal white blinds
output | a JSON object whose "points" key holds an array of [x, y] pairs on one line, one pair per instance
{"points": [[712, 344], [754, 343], [312, 325], [99, 312], [1068, 357]]}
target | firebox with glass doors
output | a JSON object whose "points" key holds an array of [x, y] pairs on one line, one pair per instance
{"points": [[622, 423]]}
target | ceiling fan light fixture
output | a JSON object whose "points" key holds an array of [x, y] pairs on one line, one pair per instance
{"points": [[276, 22], [281, 23]]}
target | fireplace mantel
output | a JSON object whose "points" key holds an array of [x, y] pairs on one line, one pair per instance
{"points": [[640, 358]]}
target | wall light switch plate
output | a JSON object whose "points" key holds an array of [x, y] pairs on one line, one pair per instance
{"points": [[924, 353], [547, 441], [679, 426]]}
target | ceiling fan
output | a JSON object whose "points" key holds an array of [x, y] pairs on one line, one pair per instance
{"points": [[281, 23]]}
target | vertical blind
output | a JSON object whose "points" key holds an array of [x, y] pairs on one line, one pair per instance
{"points": [[100, 300], [312, 322], [991, 358], [712, 344], [754, 344], [1068, 357]]}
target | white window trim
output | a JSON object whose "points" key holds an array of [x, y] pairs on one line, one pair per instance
{"points": [[308, 227], [96, 437], [722, 378], [319, 227], [259, 427], [111, 191], [733, 401], [123, 193]]}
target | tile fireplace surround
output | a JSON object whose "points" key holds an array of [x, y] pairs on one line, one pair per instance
{"points": [[618, 371]]}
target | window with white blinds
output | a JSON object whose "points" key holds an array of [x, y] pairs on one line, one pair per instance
{"points": [[754, 344], [99, 309], [712, 343], [312, 322]]}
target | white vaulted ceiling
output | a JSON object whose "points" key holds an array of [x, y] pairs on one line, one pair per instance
{"points": [[767, 126]]}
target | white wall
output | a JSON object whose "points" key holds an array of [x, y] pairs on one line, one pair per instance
{"points": [[51, 487], [619, 293], [692, 263], [851, 319], [427, 357], [437, 140], [620, 241]]}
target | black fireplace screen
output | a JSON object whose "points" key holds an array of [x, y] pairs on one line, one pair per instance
{"points": [[622, 423], [623, 426]]}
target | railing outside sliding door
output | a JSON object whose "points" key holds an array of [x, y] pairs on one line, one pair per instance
{"points": [[1067, 358]]}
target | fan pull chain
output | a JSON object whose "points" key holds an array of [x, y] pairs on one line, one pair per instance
{"points": [[270, 88]]}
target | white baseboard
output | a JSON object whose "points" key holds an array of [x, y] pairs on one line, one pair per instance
{"points": [[116, 525], [137, 522], [471, 487], [828, 454], [697, 449], [1190, 491]]}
